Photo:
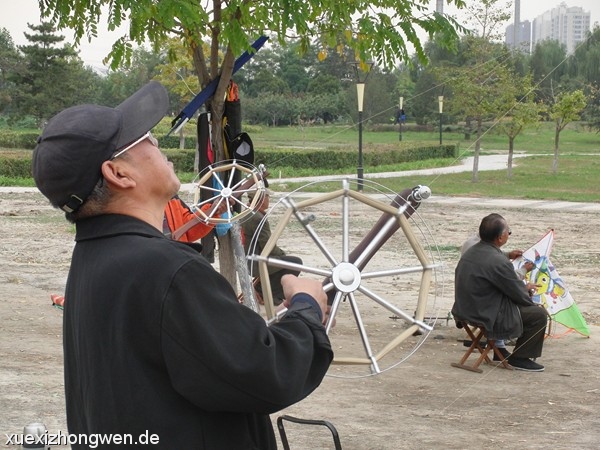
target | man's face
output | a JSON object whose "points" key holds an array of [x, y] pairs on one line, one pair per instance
{"points": [[154, 173], [503, 239]]}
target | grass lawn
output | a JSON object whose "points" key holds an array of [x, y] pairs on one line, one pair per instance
{"points": [[576, 180]]}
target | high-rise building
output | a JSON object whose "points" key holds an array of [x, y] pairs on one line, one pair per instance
{"points": [[567, 25], [518, 34], [519, 37], [439, 6]]}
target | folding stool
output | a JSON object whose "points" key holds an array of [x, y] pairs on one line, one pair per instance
{"points": [[476, 332]]}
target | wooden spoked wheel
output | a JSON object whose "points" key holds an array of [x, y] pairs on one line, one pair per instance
{"points": [[379, 264]]}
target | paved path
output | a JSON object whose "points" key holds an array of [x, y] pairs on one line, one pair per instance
{"points": [[486, 162]]}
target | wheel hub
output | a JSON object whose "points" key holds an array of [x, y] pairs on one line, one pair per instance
{"points": [[346, 277]]}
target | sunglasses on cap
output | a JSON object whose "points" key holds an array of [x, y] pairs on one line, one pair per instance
{"points": [[148, 136]]}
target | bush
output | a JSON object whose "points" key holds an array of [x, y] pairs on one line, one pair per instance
{"points": [[16, 166], [18, 139], [183, 160], [329, 159], [172, 141]]}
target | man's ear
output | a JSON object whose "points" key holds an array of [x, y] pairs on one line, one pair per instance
{"points": [[117, 174]]}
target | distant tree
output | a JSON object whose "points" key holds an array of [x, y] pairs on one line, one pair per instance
{"points": [[548, 68], [487, 18], [592, 110], [524, 113], [272, 109], [585, 67], [10, 63], [121, 82], [265, 82], [380, 101], [53, 76], [566, 109], [483, 90], [585, 63], [324, 84]]}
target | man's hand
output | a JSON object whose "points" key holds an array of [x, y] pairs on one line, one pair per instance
{"points": [[529, 266], [531, 288], [293, 285], [514, 254]]}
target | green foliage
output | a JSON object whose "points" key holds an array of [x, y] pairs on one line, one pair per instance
{"points": [[172, 141], [15, 165], [386, 37], [52, 79], [334, 160], [567, 108], [18, 139], [547, 68], [183, 160]]}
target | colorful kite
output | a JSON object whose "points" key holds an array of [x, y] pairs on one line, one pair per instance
{"points": [[552, 291]]}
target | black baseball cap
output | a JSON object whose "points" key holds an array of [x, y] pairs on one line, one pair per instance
{"points": [[70, 151]]}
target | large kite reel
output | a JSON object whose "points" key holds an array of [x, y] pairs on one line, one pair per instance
{"points": [[373, 256]]}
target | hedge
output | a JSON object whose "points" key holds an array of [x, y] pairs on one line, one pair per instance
{"points": [[13, 139], [336, 159], [27, 140], [18, 164]]}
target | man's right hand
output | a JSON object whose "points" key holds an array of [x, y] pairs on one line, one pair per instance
{"points": [[293, 285]]}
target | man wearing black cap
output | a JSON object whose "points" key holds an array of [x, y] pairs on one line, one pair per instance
{"points": [[157, 349]]}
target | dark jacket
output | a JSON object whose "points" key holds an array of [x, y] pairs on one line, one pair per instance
{"points": [[487, 291], [155, 343]]}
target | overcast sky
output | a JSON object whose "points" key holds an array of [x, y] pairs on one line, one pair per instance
{"points": [[15, 14]]}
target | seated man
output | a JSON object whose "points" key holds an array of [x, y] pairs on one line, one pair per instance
{"points": [[521, 274], [489, 292], [253, 245]]}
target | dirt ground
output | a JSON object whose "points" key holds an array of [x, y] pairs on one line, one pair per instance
{"points": [[419, 402]]}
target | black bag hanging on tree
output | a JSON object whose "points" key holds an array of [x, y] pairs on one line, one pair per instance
{"points": [[238, 145]]}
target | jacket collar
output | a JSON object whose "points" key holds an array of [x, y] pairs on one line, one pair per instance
{"points": [[109, 225]]}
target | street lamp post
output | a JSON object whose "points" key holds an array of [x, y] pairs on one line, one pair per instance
{"points": [[360, 94], [441, 105], [401, 116]]}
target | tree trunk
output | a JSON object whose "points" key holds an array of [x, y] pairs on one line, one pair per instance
{"points": [[475, 177], [181, 139], [467, 129], [511, 146], [556, 140]]}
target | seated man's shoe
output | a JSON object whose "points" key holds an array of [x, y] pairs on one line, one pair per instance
{"points": [[505, 354], [525, 364], [468, 343]]}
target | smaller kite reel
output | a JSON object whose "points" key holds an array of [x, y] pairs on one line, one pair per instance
{"points": [[223, 184]]}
